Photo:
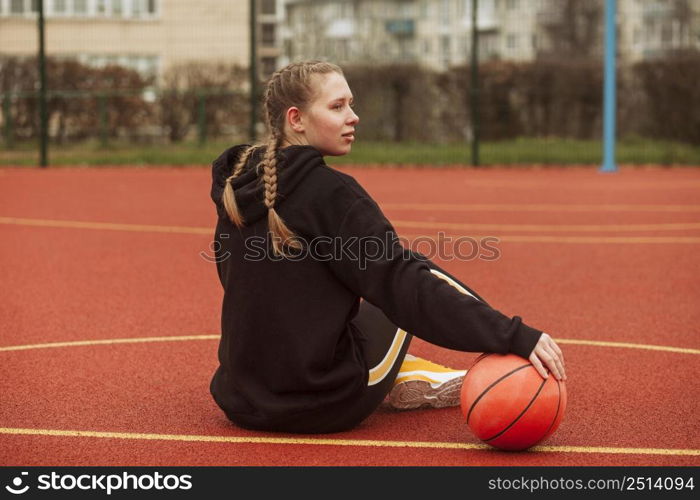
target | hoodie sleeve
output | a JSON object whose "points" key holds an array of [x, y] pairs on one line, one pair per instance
{"points": [[375, 266]]}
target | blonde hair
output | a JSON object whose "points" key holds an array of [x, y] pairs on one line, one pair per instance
{"points": [[287, 87]]}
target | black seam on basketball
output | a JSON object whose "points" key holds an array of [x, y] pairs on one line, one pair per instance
{"points": [[558, 405], [479, 359], [469, 414], [523, 412]]}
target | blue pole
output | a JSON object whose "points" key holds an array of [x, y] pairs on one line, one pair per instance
{"points": [[610, 99]]}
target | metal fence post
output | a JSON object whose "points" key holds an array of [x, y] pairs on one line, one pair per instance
{"points": [[202, 117], [7, 115], [610, 99], [102, 100], [475, 84], [43, 112], [253, 71]]}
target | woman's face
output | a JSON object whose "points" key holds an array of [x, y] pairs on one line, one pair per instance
{"points": [[328, 124]]}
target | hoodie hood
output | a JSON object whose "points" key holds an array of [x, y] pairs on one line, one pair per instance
{"points": [[293, 164]]}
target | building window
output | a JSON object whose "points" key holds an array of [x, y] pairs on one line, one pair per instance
{"points": [[268, 65], [16, 6], [512, 4], [445, 12], [83, 8], [268, 35], [138, 7], [512, 42], [637, 36], [59, 7], [19, 7], [143, 8], [406, 9], [666, 34], [269, 7], [445, 49], [80, 7], [346, 10], [465, 44]]}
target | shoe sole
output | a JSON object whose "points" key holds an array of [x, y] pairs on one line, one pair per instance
{"points": [[414, 394]]}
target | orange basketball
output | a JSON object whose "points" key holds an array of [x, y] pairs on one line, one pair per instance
{"points": [[508, 405]]}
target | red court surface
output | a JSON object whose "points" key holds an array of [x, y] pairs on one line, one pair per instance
{"points": [[110, 316]]}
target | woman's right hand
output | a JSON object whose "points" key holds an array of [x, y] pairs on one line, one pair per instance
{"points": [[547, 355]]}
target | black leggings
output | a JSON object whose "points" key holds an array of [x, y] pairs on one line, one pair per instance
{"points": [[384, 346]]}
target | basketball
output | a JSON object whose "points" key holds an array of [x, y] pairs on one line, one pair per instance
{"points": [[507, 404]]}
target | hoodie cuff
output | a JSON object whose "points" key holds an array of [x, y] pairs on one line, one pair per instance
{"points": [[524, 338]]}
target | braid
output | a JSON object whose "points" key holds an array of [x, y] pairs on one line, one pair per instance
{"points": [[281, 234], [229, 198], [289, 86]]}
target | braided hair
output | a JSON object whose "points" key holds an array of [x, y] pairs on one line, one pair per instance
{"points": [[287, 87]]}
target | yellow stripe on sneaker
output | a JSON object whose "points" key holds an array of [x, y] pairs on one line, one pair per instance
{"points": [[424, 365], [379, 372], [432, 376], [413, 377]]}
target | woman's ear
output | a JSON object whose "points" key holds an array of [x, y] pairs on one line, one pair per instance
{"points": [[294, 119]]}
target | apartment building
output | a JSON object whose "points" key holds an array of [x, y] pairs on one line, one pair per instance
{"points": [[437, 33], [147, 35], [651, 28], [434, 33], [153, 35]]}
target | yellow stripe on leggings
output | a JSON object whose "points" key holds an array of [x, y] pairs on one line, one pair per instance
{"points": [[379, 372]]}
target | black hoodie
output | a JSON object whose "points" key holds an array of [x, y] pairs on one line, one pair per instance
{"points": [[288, 343]]}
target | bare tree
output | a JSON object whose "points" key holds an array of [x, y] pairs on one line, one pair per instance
{"points": [[571, 29]]}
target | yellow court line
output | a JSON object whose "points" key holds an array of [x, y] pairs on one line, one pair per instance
{"points": [[538, 207], [600, 343], [337, 442], [681, 226], [74, 224], [595, 240], [135, 340], [507, 238]]}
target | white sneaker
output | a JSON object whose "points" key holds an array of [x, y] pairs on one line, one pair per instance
{"points": [[422, 383]]}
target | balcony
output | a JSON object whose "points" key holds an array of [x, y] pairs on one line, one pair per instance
{"points": [[657, 10], [401, 27]]}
